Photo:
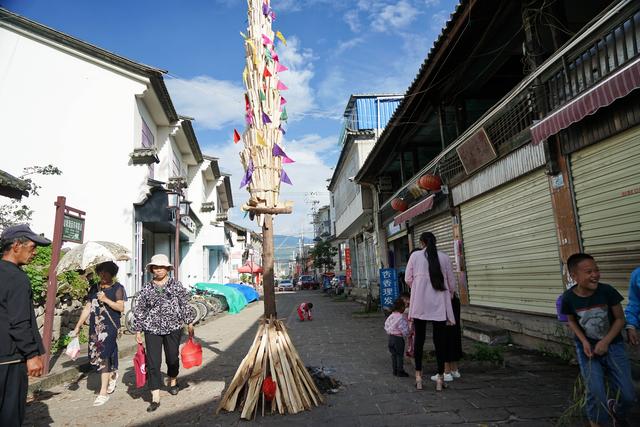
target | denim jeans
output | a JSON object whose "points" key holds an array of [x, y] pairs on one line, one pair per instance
{"points": [[615, 365]]}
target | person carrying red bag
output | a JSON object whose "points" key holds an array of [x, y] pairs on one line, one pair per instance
{"points": [[304, 310]]}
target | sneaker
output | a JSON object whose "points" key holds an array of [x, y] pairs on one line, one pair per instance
{"points": [[455, 374], [447, 377], [113, 382], [100, 400]]}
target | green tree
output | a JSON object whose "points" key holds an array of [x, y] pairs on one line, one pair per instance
{"points": [[322, 254], [15, 212]]}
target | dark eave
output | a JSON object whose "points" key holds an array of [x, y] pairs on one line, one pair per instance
{"points": [[227, 188], [12, 187], [191, 137], [452, 28], [154, 74]]}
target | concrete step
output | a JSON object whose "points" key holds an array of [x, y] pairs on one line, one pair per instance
{"points": [[485, 333]]}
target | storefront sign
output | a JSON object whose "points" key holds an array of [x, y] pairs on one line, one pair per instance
{"points": [[72, 229], [388, 287], [347, 261]]}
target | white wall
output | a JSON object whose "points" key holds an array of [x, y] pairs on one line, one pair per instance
{"points": [[81, 117]]}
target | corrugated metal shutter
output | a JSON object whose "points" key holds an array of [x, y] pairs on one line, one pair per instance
{"points": [[606, 181], [511, 248], [442, 228]]}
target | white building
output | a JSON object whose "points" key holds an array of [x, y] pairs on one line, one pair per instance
{"points": [[245, 248], [352, 205], [109, 124]]}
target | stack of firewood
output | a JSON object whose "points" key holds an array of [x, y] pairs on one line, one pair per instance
{"points": [[272, 354]]}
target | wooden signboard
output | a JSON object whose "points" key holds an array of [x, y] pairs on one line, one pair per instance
{"points": [[476, 151]]}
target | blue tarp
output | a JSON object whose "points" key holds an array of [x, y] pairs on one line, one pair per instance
{"points": [[249, 293], [235, 298]]}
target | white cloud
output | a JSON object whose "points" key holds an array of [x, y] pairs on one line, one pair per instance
{"points": [[300, 96], [348, 44], [353, 20], [394, 16], [213, 103]]}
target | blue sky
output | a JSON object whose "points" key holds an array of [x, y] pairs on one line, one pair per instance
{"points": [[335, 48]]}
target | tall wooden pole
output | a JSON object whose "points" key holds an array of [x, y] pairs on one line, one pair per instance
{"points": [[267, 265], [52, 287]]}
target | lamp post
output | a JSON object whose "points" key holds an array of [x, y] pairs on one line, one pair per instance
{"points": [[180, 208]]}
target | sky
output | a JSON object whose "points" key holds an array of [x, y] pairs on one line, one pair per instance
{"points": [[335, 48]]}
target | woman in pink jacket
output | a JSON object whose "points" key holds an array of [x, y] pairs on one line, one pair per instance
{"points": [[429, 273]]}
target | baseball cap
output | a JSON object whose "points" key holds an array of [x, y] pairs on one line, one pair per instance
{"points": [[23, 230]]}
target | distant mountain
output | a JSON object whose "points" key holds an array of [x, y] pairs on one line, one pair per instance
{"points": [[285, 246]]}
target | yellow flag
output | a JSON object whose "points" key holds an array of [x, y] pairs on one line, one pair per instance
{"points": [[245, 75], [281, 37], [260, 138]]}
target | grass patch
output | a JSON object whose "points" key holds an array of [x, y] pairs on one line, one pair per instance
{"points": [[566, 354], [482, 352]]}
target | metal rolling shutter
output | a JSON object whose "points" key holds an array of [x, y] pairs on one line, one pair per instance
{"points": [[606, 182], [442, 228], [511, 248]]}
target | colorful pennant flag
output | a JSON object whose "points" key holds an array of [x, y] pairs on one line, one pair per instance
{"points": [[265, 9], [282, 86], [266, 72], [280, 68], [245, 77], [285, 178], [260, 139], [281, 129], [247, 105], [284, 116], [263, 97], [236, 136], [249, 118], [248, 174], [281, 37], [277, 151], [265, 118], [272, 14], [266, 40], [244, 36], [282, 100]]}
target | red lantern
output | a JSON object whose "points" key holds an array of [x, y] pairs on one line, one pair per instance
{"points": [[269, 388], [430, 182], [399, 205]]}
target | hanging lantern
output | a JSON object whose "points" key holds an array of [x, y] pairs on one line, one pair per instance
{"points": [[399, 205], [430, 182]]}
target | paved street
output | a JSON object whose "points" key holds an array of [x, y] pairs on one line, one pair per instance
{"points": [[529, 391]]}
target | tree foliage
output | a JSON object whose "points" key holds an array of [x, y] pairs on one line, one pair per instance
{"points": [[323, 254], [15, 211]]}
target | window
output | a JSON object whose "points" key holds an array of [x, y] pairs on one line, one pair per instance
{"points": [[147, 140]]}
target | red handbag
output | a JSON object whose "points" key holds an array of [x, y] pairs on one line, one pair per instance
{"points": [[191, 354], [140, 366]]}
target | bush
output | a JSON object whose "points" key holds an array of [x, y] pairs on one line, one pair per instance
{"points": [[485, 353], [61, 343], [70, 283]]}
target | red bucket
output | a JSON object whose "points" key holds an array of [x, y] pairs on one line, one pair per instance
{"points": [[191, 354]]}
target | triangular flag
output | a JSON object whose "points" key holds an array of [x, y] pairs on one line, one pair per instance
{"points": [[265, 118], [247, 175], [249, 118], [275, 56], [277, 151], [281, 129], [265, 9], [284, 116], [281, 37], [285, 178], [266, 40], [280, 68], [236, 136], [272, 14], [266, 72], [282, 100], [282, 86], [244, 36], [247, 105], [260, 139], [263, 97], [245, 75]]}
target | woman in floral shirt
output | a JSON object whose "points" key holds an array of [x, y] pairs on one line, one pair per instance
{"points": [[162, 309], [105, 303]]}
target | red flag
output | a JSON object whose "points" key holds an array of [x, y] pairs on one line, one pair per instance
{"points": [[236, 136], [266, 72]]}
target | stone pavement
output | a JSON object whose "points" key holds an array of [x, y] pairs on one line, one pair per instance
{"points": [[528, 390]]}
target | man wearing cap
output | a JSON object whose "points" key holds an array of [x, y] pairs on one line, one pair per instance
{"points": [[21, 346]]}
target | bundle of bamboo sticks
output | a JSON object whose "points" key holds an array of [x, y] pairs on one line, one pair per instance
{"points": [[272, 353]]}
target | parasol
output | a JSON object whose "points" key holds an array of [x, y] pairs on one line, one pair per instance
{"points": [[90, 254]]}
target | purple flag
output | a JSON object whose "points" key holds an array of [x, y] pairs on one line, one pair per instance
{"points": [[285, 178], [247, 176], [277, 151], [265, 118], [282, 129], [265, 9]]}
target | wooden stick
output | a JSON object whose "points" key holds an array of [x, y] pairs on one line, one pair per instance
{"points": [[266, 210]]}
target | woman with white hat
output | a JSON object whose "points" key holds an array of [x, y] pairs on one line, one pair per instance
{"points": [[162, 309]]}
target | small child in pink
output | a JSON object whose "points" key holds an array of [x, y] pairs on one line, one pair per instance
{"points": [[304, 310], [406, 297], [397, 327]]}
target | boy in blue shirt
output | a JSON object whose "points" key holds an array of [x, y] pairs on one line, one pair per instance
{"points": [[596, 318], [632, 312]]}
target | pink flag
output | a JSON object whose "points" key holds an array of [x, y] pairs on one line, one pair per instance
{"points": [[282, 86], [277, 151], [282, 100], [280, 68], [266, 40]]}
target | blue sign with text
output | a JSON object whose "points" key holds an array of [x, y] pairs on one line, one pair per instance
{"points": [[389, 291]]}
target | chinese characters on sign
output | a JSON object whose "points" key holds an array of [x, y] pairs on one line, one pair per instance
{"points": [[72, 229], [347, 261], [388, 287]]}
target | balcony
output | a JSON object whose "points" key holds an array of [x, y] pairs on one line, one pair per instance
{"points": [[207, 207]]}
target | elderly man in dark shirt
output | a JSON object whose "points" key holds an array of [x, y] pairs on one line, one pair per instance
{"points": [[21, 346]]}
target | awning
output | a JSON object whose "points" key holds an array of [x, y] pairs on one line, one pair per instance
{"points": [[415, 210], [10, 186], [616, 86], [250, 268]]}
